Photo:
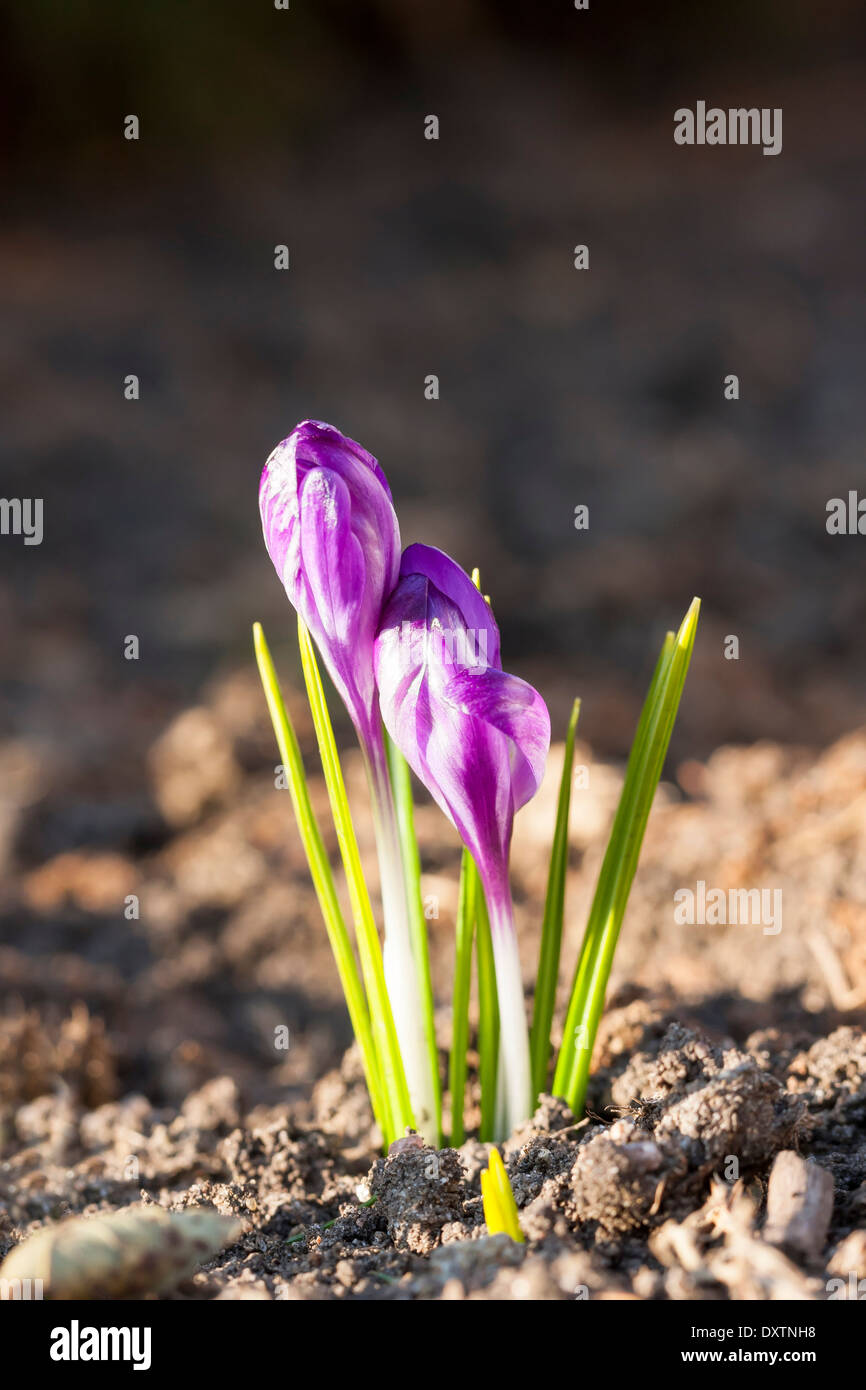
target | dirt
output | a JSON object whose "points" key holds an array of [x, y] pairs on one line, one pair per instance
{"points": [[141, 1061], [609, 1206]]}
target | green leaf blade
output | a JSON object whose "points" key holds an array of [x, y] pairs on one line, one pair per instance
{"points": [[320, 872], [488, 1016], [551, 930], [645, 765], [394, 1087], [465, 931]]}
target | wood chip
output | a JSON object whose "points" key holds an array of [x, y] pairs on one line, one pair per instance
{"points": [[799, 1206]]}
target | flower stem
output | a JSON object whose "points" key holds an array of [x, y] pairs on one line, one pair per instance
{"points": [[515, 1084], [462, 988], [403, 972], [488, 1018], [401, 782]]}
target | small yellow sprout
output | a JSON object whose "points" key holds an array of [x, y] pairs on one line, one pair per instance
{"points": [[500, 1208]]}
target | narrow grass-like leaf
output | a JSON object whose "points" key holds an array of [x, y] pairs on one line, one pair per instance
{"points": [[575, 1035], [320, 871], [551, 928], [466, 906], [620, 861], [488, 1014], [394, 1088], [500, 1208], [401, 782]]}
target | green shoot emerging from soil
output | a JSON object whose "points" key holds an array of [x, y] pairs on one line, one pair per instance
{"points": [[365, 989], [413, 650]]}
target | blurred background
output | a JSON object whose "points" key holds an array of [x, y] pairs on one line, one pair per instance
{"points": [[408, 257]]}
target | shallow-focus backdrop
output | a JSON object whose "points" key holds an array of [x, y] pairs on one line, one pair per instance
{"points": [[411, 257]]}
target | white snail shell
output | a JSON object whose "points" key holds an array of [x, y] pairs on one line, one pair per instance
{"points": [[120, 1255]]}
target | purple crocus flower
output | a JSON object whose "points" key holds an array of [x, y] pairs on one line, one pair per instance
{"points": [[332, 533], [477, 738]]}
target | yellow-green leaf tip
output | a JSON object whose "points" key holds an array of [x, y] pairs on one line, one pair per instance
{"points": [[500, 1208], [688, 626]]}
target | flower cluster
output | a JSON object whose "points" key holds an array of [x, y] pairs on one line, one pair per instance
{"points": [[411, 643], [413, 650]]}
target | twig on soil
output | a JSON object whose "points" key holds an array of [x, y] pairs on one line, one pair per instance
{"points": [[843, 996], [743, 1263]]}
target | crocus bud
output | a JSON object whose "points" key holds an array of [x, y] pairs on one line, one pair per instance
{"points": [[478, 740], [332, 533], [475, 736]]}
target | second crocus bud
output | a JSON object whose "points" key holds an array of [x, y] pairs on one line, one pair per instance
{"points": [[477, 738]]}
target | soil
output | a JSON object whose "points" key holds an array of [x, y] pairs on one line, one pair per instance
{"points": [[148, 980]]}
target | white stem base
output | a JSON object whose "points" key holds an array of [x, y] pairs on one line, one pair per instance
{"points": [[401, 970], [401, 981], [514, 1080]]}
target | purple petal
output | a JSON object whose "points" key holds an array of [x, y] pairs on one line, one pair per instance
{"points": [[332, 533], [475, 736], [516, 709], [449, 579], [331, 580]]}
